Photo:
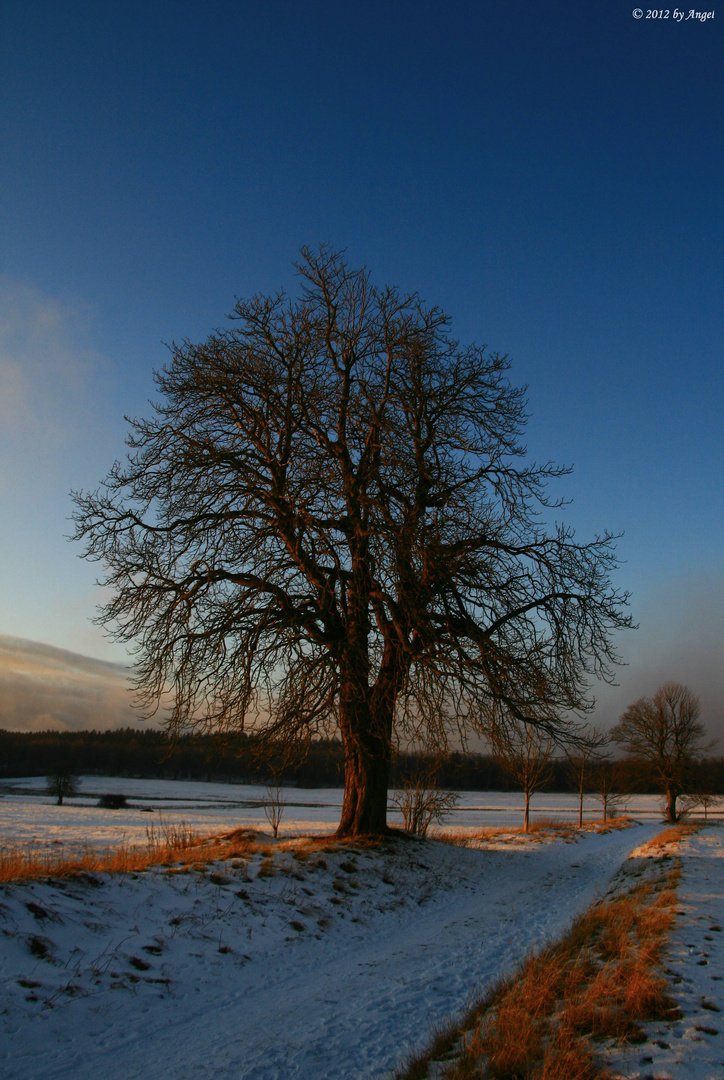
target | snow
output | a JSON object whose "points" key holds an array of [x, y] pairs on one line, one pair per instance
{"points": [[29, 818], [335, 965], [691, 1048]]}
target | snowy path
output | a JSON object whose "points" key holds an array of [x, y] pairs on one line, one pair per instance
{"points": [[332, 968], [392, 989]]}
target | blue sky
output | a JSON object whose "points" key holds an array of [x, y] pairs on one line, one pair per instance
{"points": [[551, 174]]}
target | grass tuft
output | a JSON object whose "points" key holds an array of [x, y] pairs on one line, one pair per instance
{"points": [[566, 1056]]}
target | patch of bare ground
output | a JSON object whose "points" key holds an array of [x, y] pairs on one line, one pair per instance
{"points": [[596, 986]]}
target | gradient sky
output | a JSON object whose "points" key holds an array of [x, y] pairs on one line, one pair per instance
{"points": [[551, 174]]}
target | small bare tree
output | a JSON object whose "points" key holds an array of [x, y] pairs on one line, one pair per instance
{"points": [[707, 802], [580, 758], [525, 753], [274, 804], [704, 799], [421, 801], [606, 782], [663, 736], [62, 783]]}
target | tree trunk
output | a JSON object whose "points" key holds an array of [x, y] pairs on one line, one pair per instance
{"points": [[580, 809], [365, 722], [671, 815], [366, 779], [526, 817]]}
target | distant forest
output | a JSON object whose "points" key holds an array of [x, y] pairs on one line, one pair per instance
{"points": [[150, 754]]}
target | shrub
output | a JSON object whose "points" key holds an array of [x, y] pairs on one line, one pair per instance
{"points": [[112, 801], [274, 804], [421, 802]]}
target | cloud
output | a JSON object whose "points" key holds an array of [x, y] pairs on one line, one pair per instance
{"points": [[50, 379], [44, 688]]}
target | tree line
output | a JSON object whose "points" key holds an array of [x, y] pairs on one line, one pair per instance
{"points": [[151, 754]]}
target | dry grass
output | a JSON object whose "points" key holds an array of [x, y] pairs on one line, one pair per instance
{"points": [[667, 838], [512, 1033], [550, 825], [601, 982], [566, 1056], [175, 846], [538, 830], [311, 844]]}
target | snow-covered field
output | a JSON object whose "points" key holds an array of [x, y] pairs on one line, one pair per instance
{"points": [[28, 816], [322, 967]]}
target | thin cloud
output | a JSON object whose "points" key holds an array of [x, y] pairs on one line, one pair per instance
{"points": [[43, 688], [50, 378]]}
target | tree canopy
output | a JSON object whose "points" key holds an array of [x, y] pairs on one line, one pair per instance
{"points": [[330, 523]]}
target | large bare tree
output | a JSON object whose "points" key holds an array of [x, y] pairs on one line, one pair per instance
{"points": [[330, 522], [663, 735]]}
